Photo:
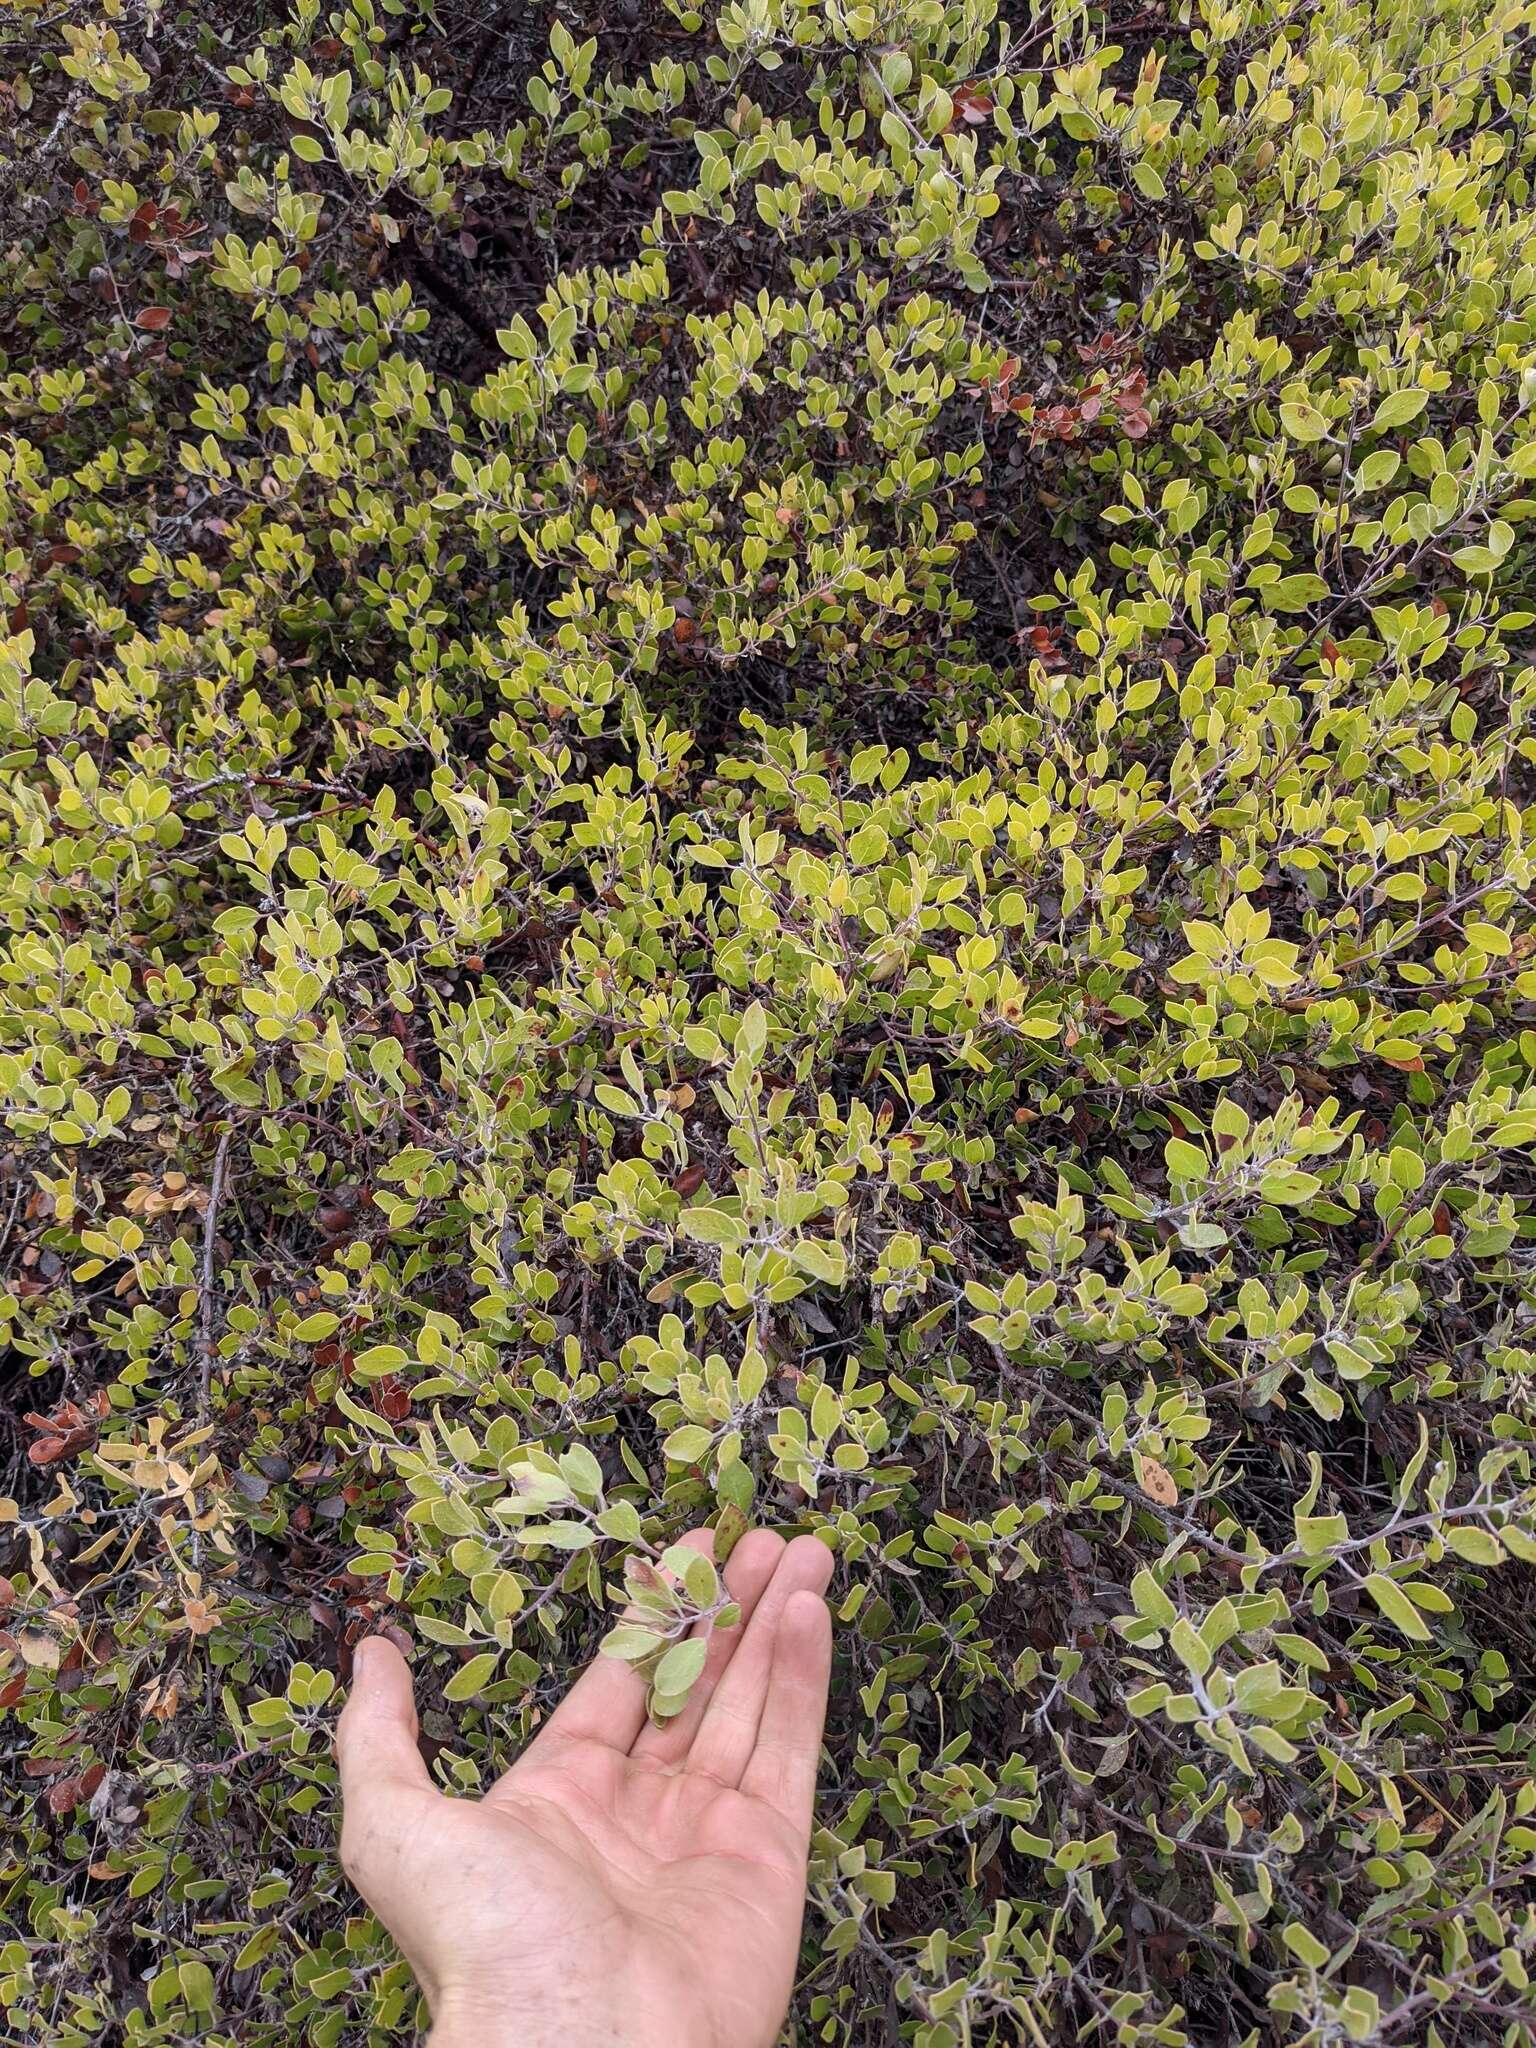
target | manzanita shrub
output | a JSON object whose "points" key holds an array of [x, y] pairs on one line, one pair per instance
{"points": [[774, 760]]}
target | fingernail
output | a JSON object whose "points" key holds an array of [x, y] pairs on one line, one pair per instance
{"points": [[362, 1657]]}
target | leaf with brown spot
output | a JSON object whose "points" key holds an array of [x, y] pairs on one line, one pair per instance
{"points": [[1157, 1483]]}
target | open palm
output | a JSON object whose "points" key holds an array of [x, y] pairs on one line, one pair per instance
{"points": [[622, 1883]]}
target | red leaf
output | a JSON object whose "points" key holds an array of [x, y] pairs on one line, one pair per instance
{"points": [[64, 1795], [972, 105], [12, 1690], [154, 319], [689, 1181]]}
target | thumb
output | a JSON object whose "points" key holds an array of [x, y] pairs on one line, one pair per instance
{"points": [[376, 1747]]}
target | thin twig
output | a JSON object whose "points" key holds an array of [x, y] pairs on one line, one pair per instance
{"points": [[208, 1304], [21, 1188]]}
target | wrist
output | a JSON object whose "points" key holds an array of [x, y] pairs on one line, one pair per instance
{"points": [[462, 2020], [477, 2024]]}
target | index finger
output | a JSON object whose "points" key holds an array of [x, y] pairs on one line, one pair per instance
{"points": [[747, 1575], [607, 1702]]}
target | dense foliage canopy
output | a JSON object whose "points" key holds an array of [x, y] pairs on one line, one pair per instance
{"points": [[774, 759]]}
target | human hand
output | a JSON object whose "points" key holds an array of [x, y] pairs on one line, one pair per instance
{"points": [[622, 1883]]}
